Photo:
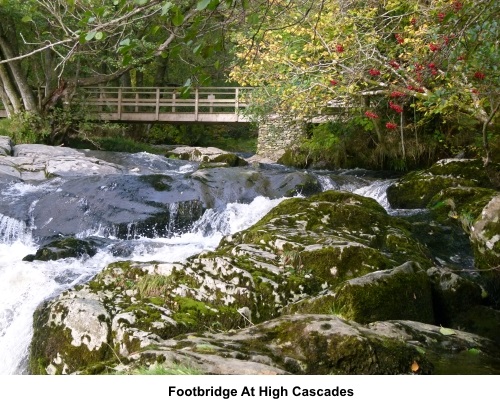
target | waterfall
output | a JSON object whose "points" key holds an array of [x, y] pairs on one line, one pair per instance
{"points": [[378, 191], [12, 230], [24, 285]]}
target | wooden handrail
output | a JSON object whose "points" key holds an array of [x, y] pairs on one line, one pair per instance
{"points": [[156, 103]]}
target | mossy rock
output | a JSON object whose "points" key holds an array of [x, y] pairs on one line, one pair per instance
{"points": [[485, 235], [416, 189], [481, 320], [64, 248], [207, 155], [460, 203], [294, 157], [70, 333], [326, 344], [400, 293], [452, 295]]}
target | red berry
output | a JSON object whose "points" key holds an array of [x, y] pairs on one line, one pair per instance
{"points": [[457, 6], [395, 107], [371, 114], [374, 72], [391, 125], [434, 47], [479, 75], [339, 48], [394, 64]]}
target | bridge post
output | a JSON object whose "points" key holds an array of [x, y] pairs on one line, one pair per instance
{"points": [[119, 112], [157, 105], [277, 134], [196, 102]]}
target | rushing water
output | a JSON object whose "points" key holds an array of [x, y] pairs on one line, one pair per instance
{"points": [[24, 285]]}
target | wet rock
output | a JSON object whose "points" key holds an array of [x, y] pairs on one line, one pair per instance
{"points": [[64, 248], [209, 155]]}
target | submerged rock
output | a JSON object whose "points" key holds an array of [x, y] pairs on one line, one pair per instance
{"points": [[64, 248], [208, 155]]}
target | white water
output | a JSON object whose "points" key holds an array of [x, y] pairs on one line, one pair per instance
{"points": [[24, 285]]}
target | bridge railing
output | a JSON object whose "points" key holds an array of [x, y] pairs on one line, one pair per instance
{"points": [[146, 103], [210, 104]]}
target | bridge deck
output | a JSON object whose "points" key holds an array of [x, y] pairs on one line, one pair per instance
{"points": [[164, 104]]}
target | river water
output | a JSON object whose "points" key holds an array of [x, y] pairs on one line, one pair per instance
{"points": [[24, 285]]}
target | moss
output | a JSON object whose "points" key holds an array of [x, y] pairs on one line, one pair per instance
{"points": [[463, 204], [294, 158], [481, 320], [159, 182], [416, 189], [64, 248], [401, 293], [54, 341]]}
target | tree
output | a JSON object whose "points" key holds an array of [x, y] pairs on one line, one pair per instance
{"points": [[397, 62], [60, 45]]}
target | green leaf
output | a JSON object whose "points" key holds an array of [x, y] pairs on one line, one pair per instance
{"points": [[99, 35], [90, 36], [196, 48], [125, 42], [166, 7], [178, 18], [447, 332], [253, 19], [26, 19], [141, 2], [202, 4], [473, 350]]}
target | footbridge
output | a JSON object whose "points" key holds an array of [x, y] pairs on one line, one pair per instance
{"points": [[163, 104]]}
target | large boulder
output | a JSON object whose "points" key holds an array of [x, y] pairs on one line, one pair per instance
{"points": [[327, 344], [416, 189], [477, 211], [400, 293], [485, 235], [299, 249]]}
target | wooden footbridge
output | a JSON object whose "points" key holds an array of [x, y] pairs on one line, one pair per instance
{"points": [[164, 104]]}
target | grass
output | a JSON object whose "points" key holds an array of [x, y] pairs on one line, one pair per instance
{"points": [[164, 369]]}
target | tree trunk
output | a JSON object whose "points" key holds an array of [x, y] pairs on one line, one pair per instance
{"points": [[5, 101], [26, 92], [51, 79], [161, 71], [10, 90]]}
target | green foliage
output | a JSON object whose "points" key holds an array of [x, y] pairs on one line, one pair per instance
{"points": [[164, 369]]}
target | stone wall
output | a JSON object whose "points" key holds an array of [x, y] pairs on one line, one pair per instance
{"points": [[277, 134]]}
